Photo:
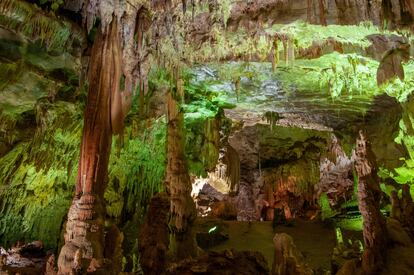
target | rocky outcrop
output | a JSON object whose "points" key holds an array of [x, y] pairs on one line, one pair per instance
{"points": [[278, 167], [26, 259], [355, 11], [31, 78], [391, 64], [398, 14]]}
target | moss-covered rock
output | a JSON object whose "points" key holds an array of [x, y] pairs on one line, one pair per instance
{"points": [[37, 178]]}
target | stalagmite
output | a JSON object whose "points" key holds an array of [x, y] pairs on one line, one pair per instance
{"points": [[285, 50], [84, 238], [403, 209], [288, 260], [154, 239], [275, 48], [369, 194], [178, 183], [291, 52]]}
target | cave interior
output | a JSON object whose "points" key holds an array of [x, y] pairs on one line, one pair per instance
{"points": [[207, 137]]}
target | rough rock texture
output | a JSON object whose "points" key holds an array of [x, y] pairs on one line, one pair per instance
{"points": [[249, 14], [403, 209], [381, 44], [26, 259], [84, 238], [346, 254], [228, 262], [355, 11], [26, 69], [369, 193], [336, 179], [399, 13], [288, 260], [279, 168], [154, 235], [382, 128], [391, 64], [400, 255], [178, 183]]}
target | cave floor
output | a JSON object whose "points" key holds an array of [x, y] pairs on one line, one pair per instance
{"points": [[314, 239]]}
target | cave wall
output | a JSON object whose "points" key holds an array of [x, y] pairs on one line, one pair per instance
{"points": [[282, 161], [342, 12]]}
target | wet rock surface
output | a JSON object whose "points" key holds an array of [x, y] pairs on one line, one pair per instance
{"points": [[279, 164], [211, 232], [25, 259], [228, 262]]}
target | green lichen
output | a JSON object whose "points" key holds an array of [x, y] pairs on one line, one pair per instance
{"points": [[37, 179], [307, 34], [326, 210], [32, 22], [350, 223], [137, 171]]}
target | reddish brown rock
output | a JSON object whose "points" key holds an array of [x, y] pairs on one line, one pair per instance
{"points": [[369, 195], [154, 235]]}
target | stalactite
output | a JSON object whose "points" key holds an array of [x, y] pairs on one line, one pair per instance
{"points": [[237, 87], [232, 161], [285, 51], [369, 193], [291, 52], [184, 4], [275, 59]]}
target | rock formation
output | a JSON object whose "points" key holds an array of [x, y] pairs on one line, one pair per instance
{"points": [[391, 64], [85, 226], [336, 179], [288, 260], [369, 195], [178, 183], [154, 235]]}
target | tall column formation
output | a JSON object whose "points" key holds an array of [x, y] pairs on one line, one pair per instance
{"points": [[369, 194], [84, 238], [178, 183]]}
